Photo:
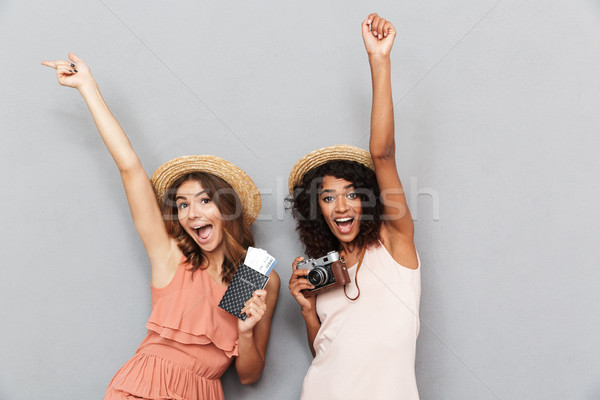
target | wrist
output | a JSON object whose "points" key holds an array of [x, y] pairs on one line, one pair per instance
{"points": [[309, 313], [88, 87], [379, 58], [246, 335]]}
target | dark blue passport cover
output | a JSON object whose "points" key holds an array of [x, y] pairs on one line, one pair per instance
{"points": [[244, 283]]}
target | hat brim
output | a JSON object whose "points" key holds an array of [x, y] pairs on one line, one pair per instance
{"points": [[322, 156], [249, 195]]}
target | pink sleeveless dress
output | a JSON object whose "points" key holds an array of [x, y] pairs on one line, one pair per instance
{"points": [[190, 343], [365, 349]]}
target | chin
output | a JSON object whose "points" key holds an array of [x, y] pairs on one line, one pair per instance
{"points": [[347, 238], [209, 247]]}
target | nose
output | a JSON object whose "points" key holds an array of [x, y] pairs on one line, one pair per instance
{"points": [[193, 211], [341, 205]]}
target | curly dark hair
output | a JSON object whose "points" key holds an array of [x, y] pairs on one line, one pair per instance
{"points": [[311, 226], [236, 233]]}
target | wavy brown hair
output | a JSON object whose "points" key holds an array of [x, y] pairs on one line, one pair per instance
{"points": [[236, 233], [314, 232]]}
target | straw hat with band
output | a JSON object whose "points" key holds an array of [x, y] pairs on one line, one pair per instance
{"points": [[321, 156], [244, 187]]}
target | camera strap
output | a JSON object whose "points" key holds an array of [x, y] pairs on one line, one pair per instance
{"points": [[360, 260]]}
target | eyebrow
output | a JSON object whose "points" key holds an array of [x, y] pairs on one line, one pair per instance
{"points": [[196, 195], [333, 191]]}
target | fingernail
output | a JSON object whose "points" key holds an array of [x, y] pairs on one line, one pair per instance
{"points": [[379, 36], [75, 70], [70, 70], [72, 65], [374, 33]]}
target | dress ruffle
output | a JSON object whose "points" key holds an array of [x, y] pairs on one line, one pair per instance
{"points": [[195, 335], [148, 376], [187, 312], [189, 345]]}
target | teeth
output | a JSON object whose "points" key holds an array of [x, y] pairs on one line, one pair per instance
{"points": [[343, 219]]}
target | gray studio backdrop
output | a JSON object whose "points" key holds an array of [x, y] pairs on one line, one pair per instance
{"points": [[497, 136]]}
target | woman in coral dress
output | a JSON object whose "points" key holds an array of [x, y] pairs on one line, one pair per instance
{"points": [[193, 217]]}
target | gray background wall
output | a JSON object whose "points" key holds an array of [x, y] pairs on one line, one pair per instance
{"points": [[497, 135]]}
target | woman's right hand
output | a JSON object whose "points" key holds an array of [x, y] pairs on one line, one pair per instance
{"points": [[299, 282], [378, 35], [74, 73]]}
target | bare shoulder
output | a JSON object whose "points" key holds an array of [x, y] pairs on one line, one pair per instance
{"points": [[401, 247]]}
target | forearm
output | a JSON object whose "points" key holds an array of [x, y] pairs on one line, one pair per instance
{"points": [[381, 143], [250, 363], [312, 327], [111, 132]]}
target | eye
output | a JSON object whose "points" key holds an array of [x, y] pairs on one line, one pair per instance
{"points": [[327, 199], [352, 196], [205, 200], [181, 206]]}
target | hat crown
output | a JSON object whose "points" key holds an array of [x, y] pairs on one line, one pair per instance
{"points": [[249, 195], [321, 156]]}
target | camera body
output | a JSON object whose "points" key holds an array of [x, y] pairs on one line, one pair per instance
{"points": [[325, 273]]}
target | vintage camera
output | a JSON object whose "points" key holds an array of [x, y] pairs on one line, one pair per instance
{"points": [[325, 273]]}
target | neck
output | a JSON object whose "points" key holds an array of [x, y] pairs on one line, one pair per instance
{"points": [[349, 248], [214, 260]]}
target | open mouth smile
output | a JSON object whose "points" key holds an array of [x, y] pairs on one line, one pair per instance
{"points": [[344, 224], [203, 232]]}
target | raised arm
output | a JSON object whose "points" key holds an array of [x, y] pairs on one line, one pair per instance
{"points": [[378, 36], [144, 208]]}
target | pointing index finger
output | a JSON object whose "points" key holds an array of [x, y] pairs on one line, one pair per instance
{"points": [[50, 64]]}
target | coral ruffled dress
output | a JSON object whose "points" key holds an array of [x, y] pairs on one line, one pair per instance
{"points": [[190, 343]]}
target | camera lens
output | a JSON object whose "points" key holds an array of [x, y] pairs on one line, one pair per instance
{"points": [[318, 276]]}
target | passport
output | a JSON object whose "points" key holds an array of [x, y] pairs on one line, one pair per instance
{"points": [[245, 281]]}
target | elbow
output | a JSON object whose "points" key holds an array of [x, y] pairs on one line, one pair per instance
{"points": [[251, 375], [247, 382], [385, 155], [382, 153], [128, 168], [250, 379], [128, 163]]}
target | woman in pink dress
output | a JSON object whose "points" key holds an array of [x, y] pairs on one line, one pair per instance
{"points": [[362, 335], [193, 217]]}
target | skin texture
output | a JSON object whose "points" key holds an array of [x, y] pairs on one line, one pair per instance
{"points": [[163, 252], [397, 230]]}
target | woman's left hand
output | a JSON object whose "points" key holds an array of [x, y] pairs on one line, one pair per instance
{"points": [[254, 309]]}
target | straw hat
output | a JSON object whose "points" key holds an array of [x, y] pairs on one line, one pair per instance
{"points": [[244, 187], [321, 156]]}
